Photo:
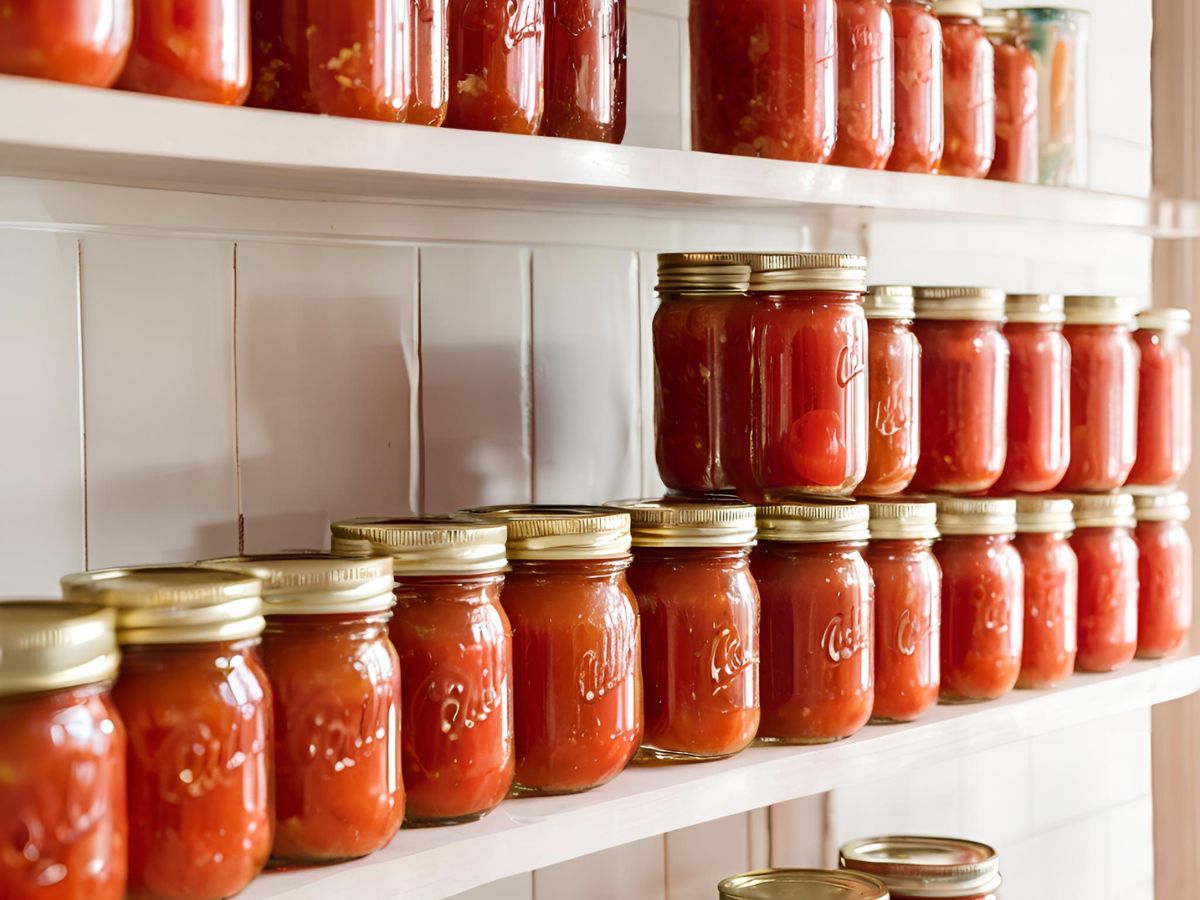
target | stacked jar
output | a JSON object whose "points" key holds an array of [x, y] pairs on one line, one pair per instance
{"points": [[914, 868]]}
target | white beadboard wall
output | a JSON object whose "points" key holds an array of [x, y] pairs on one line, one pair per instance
{"points": [[188, 374]]}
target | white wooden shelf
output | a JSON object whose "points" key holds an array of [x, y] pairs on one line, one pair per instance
{"points": [[531, 833]]}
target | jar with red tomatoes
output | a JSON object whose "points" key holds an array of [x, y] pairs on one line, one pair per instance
{"points": [[1016, 156], [914, 868], [893, 391], [691, 366], [908, 609], [197, 709], [1039, 394], [1104, 393], [1164, 409], [78, 41], [198, 50], [1044, 526], [1164, 573], [970, 89], [62, 756], [430, 99], [964, 379], [497, 67], [585, 70], [866, 93], [818, 681], [983, 591], [764, 78], [919, 97], [576, 656], [455, 647], [1108, 581], [335, 678], [801, 884]]}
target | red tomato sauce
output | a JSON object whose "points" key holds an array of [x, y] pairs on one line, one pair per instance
{"points": [[78, 41], [497, 70], [1039, 441], [1051, 581], [894, 403], [1108, 598], [866, 96], [918, 88], [1164, 587], [1016, 112], [970, 98], [1164, 409], [585, 70]]}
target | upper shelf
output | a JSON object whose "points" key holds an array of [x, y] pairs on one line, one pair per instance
{"points": [[58, 131]]}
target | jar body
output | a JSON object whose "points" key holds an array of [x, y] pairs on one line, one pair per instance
{"points": [[982, 616], [196, 51], [908, 604], [699, 611], [497, 71], [964, 378], [430, 63], [866, 95], [455, 648], [1059, 39], [817, 667], [578, 673], [764, 78], [1016, 114], [336, 686], [1039, 396], [279, 57], [1108, 598], [1164, 409], [918, 88], [1164, 587], [1051, 585], [77, 41], [62, 796], [1104, 415], [199, 722], [585, 70], [970, 98], [894, 403]]}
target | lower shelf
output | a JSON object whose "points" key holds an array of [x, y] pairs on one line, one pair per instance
{"points": [[531, 833]]}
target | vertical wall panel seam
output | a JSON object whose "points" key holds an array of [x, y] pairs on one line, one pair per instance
{"points": [[237, 421], [418, 442], [80, 357], [531, 381], [643, 487]]}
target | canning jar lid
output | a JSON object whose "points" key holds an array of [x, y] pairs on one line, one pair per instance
{"points": [[173, 604], [1040, 309], [898, 520], [1115, 510], [1001, 23], [562, 532], [962, 516], [802, 884], [959, 304], [926, 866], [49, 645], [426, 545], [1161, 506], [889, 301], [971, 9], [680, 522], [702, 273], [780, 272], [813, 523], [1095, 310], [1171, 319], [1042, 514], [309, 584]]}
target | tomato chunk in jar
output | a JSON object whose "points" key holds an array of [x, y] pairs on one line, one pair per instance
{"points": [[497, 68], [970, 90], [77, 41], [585, 70], [866, 94], [1108, 581], [893, 391], [1164, 410], [1164, 573], [920, 134], [1044, 526]]}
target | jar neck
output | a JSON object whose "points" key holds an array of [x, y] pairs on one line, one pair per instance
{"points": [[1032, 327], [471, 589], [131, 654], [364, 626], [888, 325], [693, 554], [812, 548], [579, 568], [979, 540], [815, 295], [1042, 537], [901, 545], [1099, 330], [61, 697], [1102, 531]]}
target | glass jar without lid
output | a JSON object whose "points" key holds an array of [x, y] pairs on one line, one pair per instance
{"points": [[914, 868], [1016, 156], [1164, 408], [497, 66], [1164, 573], [585, 70], [1108, 581], [918, 87], [893, 391], [866, 92], [1044, 526], [969, 88]]}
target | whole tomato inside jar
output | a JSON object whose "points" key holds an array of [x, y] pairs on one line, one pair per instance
{"points": [[1164, 573], [1016, 156], [78, 41], [920, 133], [914, 868], [970, 89], [866, 93], [497, 66], [1108, 581], [585, 70], [1164, 409], [893, 392], [1044, 526]]}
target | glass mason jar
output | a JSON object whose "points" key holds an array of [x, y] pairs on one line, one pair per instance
{"points": [[818, 680], [764, 78], [866, 93], [585, 70], [964, 379], [1164, 573], [335, 678], [196, 51], [1016, 156], [1039, 395], [920, 133], [1164, 419], [983, 589], [914, 868], [970, 89], [456, 659], [1104, 393], [908, 609], [197, 709], [576, 653], [1059, 40], [1044, 526], [691, 359], [62, 791], [699, 611], [893, 391], [801, 884], [1108, 581], [430, 98], [78, 41], [497, 69]]}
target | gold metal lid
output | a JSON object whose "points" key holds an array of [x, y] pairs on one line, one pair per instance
{"points": [[802, 884], [1114, 510], [562, 532], [1093, 310], [971, 9], [814, 522], [680, 522], [963, 516], [173, 604], [889, 301], [775, 272], [308, 584], [1171, 319], [702, 273], [1001, 23], [926, 866], [1044, 514], [903, 521], [1170, 506], [955, 304], [429, 545], [49, 645], [1040, 309]]}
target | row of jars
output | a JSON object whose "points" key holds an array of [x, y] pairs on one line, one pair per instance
{"points": [[299, 707], [910, 85], [553, 67], [780, 375]]}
